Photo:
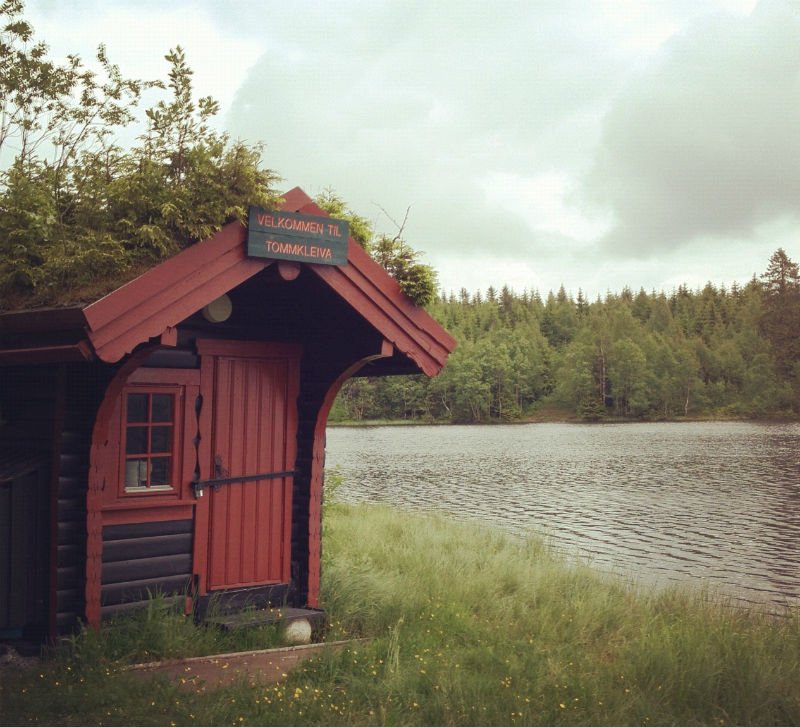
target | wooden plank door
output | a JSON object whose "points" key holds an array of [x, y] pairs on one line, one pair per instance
{"points": [[253, 391]]}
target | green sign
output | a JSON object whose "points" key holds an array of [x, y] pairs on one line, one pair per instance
{"points": [[292, 236]]}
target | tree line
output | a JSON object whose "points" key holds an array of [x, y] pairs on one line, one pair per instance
{"points": [[712, 352]]}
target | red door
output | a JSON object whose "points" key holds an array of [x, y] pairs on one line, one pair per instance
{"points": [[251, 448]]}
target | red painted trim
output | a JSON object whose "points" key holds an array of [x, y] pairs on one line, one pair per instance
{"points": [[247, 349], [169, 293], [118, 497], [170, 336], [102, 503], [166, 295], [183, 267], [152, 513], [299, 201], [184, 383], [317, 478], [183, 377], [294, 199], [355, 288], [367, 287], [292, 422]]}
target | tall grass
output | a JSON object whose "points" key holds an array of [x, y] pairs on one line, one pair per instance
{"points": [[468, 626], [509, 633]]}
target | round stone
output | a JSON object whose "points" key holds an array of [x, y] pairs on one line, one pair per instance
{"points": [[297, 632]]}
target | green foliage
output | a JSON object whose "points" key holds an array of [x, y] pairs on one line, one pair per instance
{"points": [[335, 206], [78, 213], [464, 626], [393, 254], [710, 352], [401, 261]]}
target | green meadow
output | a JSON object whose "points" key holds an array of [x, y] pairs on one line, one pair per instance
{"points": [[464, 626]]}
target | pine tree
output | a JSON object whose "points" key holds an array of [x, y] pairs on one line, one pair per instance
{"points": [[780, 317]]}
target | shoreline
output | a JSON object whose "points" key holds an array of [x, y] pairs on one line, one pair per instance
{"points": [[547, 419]]}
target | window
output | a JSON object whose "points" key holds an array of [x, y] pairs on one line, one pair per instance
{"points": [[153, 436], [150, 439]]}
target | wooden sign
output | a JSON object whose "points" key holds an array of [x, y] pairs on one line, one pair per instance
{"points": [[292, 236]]}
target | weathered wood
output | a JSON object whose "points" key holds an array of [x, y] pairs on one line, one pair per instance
{"points": [[111, 610], [71, 532], [231, 601], [67, 576], [139, 568], [144, 558], [144, 547]]}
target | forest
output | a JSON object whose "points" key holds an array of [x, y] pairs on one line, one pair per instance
{"points": [[715, 352]]}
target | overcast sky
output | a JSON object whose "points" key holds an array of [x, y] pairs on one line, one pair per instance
{"points": [[590, 143]]}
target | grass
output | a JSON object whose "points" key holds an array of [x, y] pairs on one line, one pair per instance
{"points": [[467, 626]]}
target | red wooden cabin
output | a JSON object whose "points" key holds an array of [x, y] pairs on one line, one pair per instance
{"points": [[170, 437]]}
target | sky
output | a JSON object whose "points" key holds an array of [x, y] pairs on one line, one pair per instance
{"points": [[594, 144]]}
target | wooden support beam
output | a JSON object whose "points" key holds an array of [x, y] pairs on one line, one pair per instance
{"points": [[170, 336]]}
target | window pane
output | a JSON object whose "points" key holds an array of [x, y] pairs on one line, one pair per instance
{"points": [[136, 440], [162, 407], [137, 407], [161, 439], [135, 473], [159, 470]]}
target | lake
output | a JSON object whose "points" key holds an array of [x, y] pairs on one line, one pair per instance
{"points": [[710, 503]]}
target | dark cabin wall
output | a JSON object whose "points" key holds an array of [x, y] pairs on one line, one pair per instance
{"points": [[50, 409], [28, 397], [24, 540], [144, 559], [311, 399], [27, 407]]}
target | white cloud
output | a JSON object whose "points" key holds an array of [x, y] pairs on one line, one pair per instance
{"points": [[705, 142], [543, 201], [137, 39], [675, 121]]}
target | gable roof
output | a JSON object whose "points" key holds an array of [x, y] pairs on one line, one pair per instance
{"points": [[153, 304]]}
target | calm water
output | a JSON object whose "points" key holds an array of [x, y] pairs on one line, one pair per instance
{"points": [[715, 503]]}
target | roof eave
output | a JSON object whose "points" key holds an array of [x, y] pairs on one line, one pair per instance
{"points": [[153, 304]]}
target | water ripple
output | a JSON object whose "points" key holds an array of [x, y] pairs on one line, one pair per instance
{"points": [[717, 503]]}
